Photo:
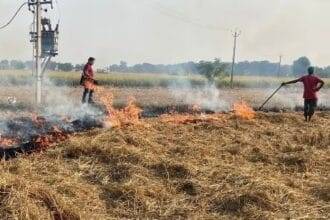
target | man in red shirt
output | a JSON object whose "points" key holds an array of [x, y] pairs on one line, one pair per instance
{"points": [[87, 80], [312, 84]]}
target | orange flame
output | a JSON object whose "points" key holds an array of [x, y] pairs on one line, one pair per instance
{"points": [[196, 108], [38, 120], [89, 84], [244, 111], [56, 135], [129, 115], [7, 142]]}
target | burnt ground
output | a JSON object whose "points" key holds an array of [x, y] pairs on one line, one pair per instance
{"points": [[36, 133]]}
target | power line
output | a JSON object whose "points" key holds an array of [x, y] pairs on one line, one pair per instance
{"points": [[12, 19], [169, 12], [58, 11]]}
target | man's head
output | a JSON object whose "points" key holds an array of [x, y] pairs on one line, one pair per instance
{"points": [[310, 70], [91, 60]]}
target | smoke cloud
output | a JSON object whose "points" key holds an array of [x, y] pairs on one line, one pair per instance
{"points": [[59, 102], [207, 97]]}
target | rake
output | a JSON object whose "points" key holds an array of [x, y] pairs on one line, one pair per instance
{"points": [[271, 96]]}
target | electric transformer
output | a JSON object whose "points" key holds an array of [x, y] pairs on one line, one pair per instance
{"points": [[49, 39], [49, 43]]}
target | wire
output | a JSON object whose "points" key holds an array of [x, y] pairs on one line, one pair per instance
{"points": [[180, 16], [16, 13], [58, 12]]}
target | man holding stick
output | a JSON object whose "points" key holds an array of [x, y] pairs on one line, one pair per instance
{"points": [[88, 81], [312, 84]]}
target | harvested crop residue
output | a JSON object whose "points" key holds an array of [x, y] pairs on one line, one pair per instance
{"points": [[223, 167]]}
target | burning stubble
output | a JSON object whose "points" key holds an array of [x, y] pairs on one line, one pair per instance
{"points": [[243, 110], [59, 118], [118, 117]]}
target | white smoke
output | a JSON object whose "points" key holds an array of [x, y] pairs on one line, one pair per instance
{"points": [[208, 97], [291, 97], [59, 101]]}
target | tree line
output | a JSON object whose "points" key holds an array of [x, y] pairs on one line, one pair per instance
{"points": [[211, 69], [27, 65], [259, 68]]}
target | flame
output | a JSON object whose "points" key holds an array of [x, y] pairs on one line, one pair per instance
{"points": [[7, 142], [130, 115], [196, 108], [56, 135], [38, 120], [243, 110], [89, 84]]}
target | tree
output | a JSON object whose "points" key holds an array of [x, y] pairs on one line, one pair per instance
{"points": [[211, 70], [79, 67], [4, 64], [300, 65], [123, 66], [52, 66], [66, 67], [28, 65], [17, 65], [323, 72], [327, 72]]}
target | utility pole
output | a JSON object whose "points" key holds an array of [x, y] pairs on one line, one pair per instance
{"points": [[44, 40], [236, 34], [33, 41], [38, 53], [279, 67]]}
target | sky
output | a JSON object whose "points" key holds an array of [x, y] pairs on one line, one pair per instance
{"points": [[172, 31]]}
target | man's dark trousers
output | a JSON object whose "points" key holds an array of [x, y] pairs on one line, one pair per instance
{"points": [[309, 107], [88, 94]]}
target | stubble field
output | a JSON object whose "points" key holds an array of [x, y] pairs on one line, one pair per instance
{"points": [[273, 166]]}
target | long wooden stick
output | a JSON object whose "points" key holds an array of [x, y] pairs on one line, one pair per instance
{"points": [[270, 97]]}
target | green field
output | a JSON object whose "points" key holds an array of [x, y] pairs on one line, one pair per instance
{"points": [[147, 80]]}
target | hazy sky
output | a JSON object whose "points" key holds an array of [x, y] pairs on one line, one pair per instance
{"points": [[170, 31]]}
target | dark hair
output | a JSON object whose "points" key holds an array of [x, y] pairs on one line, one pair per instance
{"points": [[91, 59], [310, 70]]}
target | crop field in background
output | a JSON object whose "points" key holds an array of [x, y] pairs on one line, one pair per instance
{"points": [[142, 79]]}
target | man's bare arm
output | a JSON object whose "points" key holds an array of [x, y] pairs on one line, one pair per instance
{"points": [[290, 82], [321, 84]]}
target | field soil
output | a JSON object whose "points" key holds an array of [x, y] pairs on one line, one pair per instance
{"points": [[274, 166]]}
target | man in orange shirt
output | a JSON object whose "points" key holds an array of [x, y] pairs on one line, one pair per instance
{"points": [[312, 84], [87, 80]]}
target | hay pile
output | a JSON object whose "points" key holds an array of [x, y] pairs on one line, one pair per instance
{"points": [[274, 166]]}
